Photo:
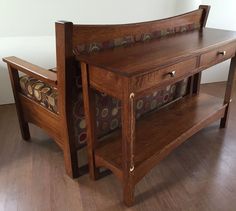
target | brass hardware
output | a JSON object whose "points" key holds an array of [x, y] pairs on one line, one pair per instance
{"points": [[172, 73], [132, 124], [223, 53], [131, 95]]}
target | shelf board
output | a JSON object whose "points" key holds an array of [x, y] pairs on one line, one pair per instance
{"points": [[158, 133]]}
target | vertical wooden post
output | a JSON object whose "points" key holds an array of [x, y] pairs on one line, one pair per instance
{"points": [[90, 118], [66, 84], [24, 127], [205, 14], [228, 92], [189, 89], [197, 77], [128, 143]]}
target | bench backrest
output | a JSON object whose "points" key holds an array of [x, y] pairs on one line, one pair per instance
{"points": [[90, 38]]}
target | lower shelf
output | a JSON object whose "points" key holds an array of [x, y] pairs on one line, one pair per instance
{"points": [[158, 133]]}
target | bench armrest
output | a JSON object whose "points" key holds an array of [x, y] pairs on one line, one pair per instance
{"points": [[37, 72]]}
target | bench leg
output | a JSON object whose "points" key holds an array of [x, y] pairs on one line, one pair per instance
{"points": [[24, 127]]}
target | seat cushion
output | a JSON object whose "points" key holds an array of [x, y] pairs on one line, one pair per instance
{"points": [[42, 93], [107, 108]]}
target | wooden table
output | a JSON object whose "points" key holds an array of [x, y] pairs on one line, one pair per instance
{"points": [[130, 72]]}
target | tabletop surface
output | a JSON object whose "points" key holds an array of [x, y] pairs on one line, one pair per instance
{"points": [[140, 58]]}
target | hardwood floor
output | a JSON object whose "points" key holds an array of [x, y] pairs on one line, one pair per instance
{"points": [[199, 175]]}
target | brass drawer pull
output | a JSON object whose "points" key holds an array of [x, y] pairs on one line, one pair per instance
{"points": [[223, 53], [172, 73]]}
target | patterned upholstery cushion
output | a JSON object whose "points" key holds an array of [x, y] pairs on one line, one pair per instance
{"points": [[108, 108], [40, 92]]}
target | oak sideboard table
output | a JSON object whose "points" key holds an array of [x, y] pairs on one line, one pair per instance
{"points": [[135, 70]]}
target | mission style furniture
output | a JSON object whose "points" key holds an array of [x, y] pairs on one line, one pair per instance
{"points": [[159, 54], [52, 99], [147, 71]]}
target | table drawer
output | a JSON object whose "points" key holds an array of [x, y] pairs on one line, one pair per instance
{"points": [[218, 55], [165, 75]]}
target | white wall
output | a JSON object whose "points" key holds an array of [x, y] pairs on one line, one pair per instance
{"points": [[27, 27]]}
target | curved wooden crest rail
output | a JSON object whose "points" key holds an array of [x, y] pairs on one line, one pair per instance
{"points": [[141, 67]]}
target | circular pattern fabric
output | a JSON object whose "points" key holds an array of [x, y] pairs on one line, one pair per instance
{"points": [[42, 93]]}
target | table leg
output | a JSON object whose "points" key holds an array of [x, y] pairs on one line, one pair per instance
{"points": [[196, 83], [228, 92], [90, 118], [128, 141]]}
